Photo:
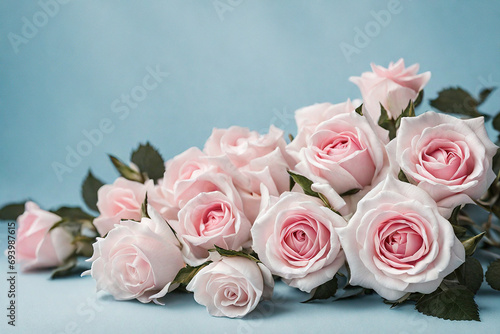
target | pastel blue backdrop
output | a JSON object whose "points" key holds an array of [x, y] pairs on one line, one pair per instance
{"points": [[68, 68]]}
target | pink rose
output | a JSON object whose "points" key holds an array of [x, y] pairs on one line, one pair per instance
{"points": [[448, 157], [231, 286], [392, 87], [308, 118], [397, 242], [258, 159], [120, 200], [207, 220], [341, 154], [295, 237], [241, 145], [269, 171], [37, 247], [137, 260], [189, 174]]}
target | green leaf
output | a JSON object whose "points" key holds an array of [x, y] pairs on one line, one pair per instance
{"points": [[144, 207], [402, 176], [419, 99], [359, 109], [496, 159], [408, 112], [351, 291], [493, 275], [72, 213], [149, 161], [470, 274], [324, 291], [483, 95], [454, 215], [73, 228], [67, 268], [471, 244], [454, 302], [456, 101], [58, 224], [459, 231], [89, 191], [84, 245], [290, 136], [387, 123], [304, 183], [126, 171], [496, 122], [12, 211], [350, 192], [186, 274], [292, 182], [228, 252]]}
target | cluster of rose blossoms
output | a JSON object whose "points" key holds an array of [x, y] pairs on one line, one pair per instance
{"points": [[237, 195]]}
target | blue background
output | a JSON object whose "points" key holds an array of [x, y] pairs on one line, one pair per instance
{"points": [[250, 64]]}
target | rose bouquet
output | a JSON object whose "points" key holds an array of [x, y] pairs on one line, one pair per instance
{"points": [[366, 198]]}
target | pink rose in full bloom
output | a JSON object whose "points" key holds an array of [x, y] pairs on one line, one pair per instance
{"points": [[257, 158], [397, 242], [448, 157], [37, 247], [393, 87], [341, 154], [231, 286], [120, 200], [137, 259], [189, 174], [295, 237], [209, 220]]}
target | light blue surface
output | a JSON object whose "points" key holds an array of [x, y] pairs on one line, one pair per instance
{"points": [[251, 65]]}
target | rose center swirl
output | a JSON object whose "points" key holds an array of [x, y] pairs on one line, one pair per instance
{"points": [[401, 243], [302, 238]]}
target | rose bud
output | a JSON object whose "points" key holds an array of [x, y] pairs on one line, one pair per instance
{"points": [[393, 87], [37, 247]]}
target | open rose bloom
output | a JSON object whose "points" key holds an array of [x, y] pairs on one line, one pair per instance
{"points": [[207, 220], [397, 242], [340, 151], [448, 157], [137, 260], [295, 237], [339, 204]]}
